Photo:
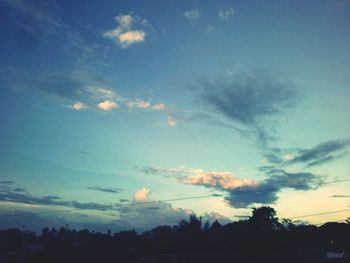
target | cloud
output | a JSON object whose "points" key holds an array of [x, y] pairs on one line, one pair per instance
{"points": [[288, 157], [6, 182], [77, 106], [216, 179], [19, 189], [321, 153], [150, 215], [123, 34], [211, 217], [252, 101], [38, 22], [92, 206], [29, 221], [242, 193], [76, 85], [171, 121], [80, 89], [107, 105], [159, 106], [176, 116], [35, 19], [167, 172], [247, 99], [98, 92], [144, 105], [141, 104], [113, 190], [340, 196], [193, 14], [142, 195], [50, 200], [226, 13], [131, 37], [138, 216], [265, 191]]}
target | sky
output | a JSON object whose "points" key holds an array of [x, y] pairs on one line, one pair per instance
{"points": [[106, 105]]}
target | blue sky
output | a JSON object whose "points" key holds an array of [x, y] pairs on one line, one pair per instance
{"points": [[111, 103]]}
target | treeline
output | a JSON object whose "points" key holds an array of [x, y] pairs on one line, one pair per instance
{"points": [[260, 238]]}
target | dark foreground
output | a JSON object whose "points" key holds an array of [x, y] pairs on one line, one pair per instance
{"points": [[261, 238]]}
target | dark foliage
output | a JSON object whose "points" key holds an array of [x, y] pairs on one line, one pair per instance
{"points": [[261, 238]]}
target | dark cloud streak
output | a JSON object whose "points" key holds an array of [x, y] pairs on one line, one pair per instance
{"points": [[113, 190], [252, 101], [340, 196], [7, 182], [52, 200], [247, 99], [321, 153]]}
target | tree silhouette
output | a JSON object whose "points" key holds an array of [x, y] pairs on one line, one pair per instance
{"points": [[265, 217]]}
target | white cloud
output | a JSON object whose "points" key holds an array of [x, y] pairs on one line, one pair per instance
{"points": [[160, 106], [192, 14], [138, 103], [124, 20], [171, 121], [142, 195], [145, 105], [226, 14], [78, 106], [149, 215], [124, 34], [98, 92], [131, 37], [224, 180], [107, 105], [288, 157]]}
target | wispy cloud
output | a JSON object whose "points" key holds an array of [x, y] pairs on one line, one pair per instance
{"points": [[247, 99], [22, 197], [113, 190], [193, 14], [321, 153], [252, 101], [80, 88], [124, 34], [340, 196], [34, 18], [40, 24], [226, 14], [6, 182], [159, 106], [138, 103]]}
